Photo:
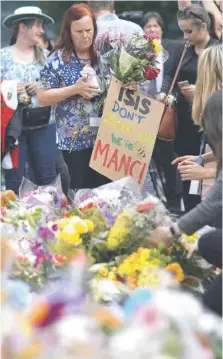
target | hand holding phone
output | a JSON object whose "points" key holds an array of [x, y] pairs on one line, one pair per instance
{"points": [[182, 84]]}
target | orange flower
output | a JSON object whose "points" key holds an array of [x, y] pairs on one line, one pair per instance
{"points": [[176, 271], [39, 312], [131, 282], [105, 317], [67, 215]]}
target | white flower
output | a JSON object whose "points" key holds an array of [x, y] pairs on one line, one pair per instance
{"points": [[55, 64]]}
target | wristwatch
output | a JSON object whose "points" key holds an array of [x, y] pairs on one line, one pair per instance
{"points": [[200, 160]]}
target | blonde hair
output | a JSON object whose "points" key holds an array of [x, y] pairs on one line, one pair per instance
{"points": [[209, 80]]}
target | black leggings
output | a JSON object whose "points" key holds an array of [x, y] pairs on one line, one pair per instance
{"points": [[62, 169]]}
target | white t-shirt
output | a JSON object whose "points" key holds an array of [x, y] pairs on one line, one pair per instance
{"points": [[111, 23]]}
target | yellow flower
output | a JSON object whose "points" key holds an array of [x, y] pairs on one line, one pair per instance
{"points": [[176, 270], [120, 230], [111, 276], [68, 236], [62, 223], [144, 254], [103, 271], [149, 278], [157, 46], [114, 269], [126, 268], [81, 227], [192, 238], [90, 225]]}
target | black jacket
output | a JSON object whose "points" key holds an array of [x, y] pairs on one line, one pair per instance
{"points": [[188, 135]]}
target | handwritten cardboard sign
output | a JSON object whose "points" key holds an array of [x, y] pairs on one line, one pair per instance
{"points": [[127, 134]]}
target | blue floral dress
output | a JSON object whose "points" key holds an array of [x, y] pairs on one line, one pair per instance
{"points": [[11, 70], [73, 114]]}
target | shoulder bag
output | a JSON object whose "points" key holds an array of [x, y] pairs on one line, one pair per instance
{"points": [[168, 124]]}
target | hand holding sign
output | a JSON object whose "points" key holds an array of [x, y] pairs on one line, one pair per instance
{"points": [[127, 134]]}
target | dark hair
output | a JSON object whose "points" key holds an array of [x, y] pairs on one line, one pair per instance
{"points": [[97, 6], [15, 30], [74, 13], [212, 124], [198, 15], [46, 39], [153, 15]]}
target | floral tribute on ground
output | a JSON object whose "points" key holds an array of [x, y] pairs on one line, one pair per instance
{"points": [[86, 264]]}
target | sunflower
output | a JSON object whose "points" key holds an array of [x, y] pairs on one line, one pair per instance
{"points": [[176, 270]]}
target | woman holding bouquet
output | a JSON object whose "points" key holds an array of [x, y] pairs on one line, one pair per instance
{"points": [[73, 98], [196, 26]]}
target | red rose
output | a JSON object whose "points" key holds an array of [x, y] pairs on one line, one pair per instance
{"points": [[151, 36], [151, 72]]}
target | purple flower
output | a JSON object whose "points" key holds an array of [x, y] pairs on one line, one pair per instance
{"points": [[55, 227], [40, 254], [46, 233]]}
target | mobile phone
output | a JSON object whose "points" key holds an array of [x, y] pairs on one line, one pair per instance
{"points": [[182, 84]]}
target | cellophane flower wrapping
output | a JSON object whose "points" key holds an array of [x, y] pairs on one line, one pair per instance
{"points": [[51, 195], [131, 61]]}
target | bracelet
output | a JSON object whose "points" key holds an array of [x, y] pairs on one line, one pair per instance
{"points": [[174, 232]]}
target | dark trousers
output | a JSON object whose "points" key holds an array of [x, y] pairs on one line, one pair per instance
{"points": [[82, 176], [210, 247], [163, 155], [39, 146], [62, 169]]}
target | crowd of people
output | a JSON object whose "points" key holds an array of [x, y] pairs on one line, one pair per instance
{"points": [[49, 125]]}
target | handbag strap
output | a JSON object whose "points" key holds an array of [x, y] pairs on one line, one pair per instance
{"points": [[178, 68]]}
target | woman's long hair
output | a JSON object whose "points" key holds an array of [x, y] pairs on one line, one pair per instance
{"points": [[15, 30], [212, 123], [39, 56], [74, 13], [209, 79], [199, 15]]}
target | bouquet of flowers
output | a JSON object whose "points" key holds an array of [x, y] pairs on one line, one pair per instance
{"points": [[133, 61]]}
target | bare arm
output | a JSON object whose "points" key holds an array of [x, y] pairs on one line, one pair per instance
{"points": [[53, 96], [208, 157], [209, 5], [184, 3], [209, 173]]}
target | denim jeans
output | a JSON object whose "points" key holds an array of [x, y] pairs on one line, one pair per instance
{"points": [[39, 146]]}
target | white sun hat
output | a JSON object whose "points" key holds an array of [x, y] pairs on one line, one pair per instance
{"points": [[26, 12]]}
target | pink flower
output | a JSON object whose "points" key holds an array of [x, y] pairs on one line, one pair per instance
{"points": [[151, 36]]}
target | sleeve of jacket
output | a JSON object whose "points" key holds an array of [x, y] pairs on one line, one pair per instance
{"points": [[174, 49], [204, 213]]}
